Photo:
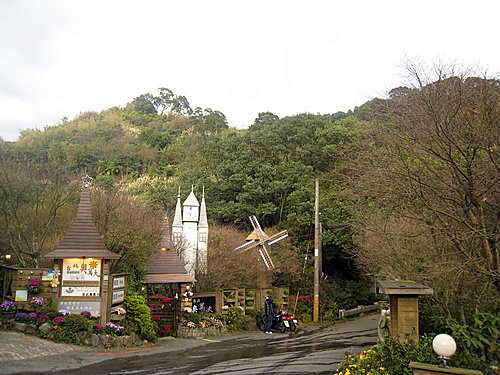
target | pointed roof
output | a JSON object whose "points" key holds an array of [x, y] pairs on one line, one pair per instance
{"points": [[191, 199], [203, 212], [82, 239], [164, 265], [178, 211]]}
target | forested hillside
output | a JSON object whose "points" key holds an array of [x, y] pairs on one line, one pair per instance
{"points": [[407, 184]]}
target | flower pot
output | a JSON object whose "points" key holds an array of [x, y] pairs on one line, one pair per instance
{"points": [[8, 314]]}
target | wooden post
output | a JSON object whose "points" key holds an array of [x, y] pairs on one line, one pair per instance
{"points": [[317, 256]]}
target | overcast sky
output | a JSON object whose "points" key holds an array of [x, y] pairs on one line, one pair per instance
{"points": [[60, 58]]}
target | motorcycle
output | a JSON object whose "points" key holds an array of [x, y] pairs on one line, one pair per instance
{"points": [[280, 323], [291, 319], [293, 322]]}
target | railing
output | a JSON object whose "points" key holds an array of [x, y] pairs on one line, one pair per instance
{"points": [[359, 310]]}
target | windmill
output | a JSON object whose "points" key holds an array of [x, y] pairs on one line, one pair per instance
{"points": [[259, 239]]}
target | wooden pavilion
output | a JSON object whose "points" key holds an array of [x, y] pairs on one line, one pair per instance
{"points": [[168, 284], [82, 264]]}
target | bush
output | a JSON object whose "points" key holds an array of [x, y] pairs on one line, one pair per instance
{"points": [[393, 357], [73, 328], [138, 318], [49, 311]]}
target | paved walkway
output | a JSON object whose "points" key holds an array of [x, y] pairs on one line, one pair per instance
{"points": [[20, 353]]}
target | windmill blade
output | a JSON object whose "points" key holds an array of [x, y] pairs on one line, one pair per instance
{"points": [[266, 257], [255, 223], [277, 237], [247, 246]]}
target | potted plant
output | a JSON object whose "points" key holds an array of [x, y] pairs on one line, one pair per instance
{"points": [[35, 286], [8, 309]]}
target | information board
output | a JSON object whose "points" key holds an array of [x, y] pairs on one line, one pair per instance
{"points": [[206, 304]]}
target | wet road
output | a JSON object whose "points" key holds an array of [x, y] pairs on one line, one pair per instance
{"points": [[311, 350]]}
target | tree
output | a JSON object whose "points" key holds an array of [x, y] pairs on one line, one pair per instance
{"points": [[128, 228], [34, 201], [429, 188]]}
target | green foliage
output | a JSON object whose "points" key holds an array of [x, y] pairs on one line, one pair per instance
{"points": [[49, 310], [481, 337], [234, 320], [393, 357], [138, 317], [74, 329]]}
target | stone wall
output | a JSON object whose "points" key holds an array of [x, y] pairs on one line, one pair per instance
{"points": [[193, 333], [46, 330]]}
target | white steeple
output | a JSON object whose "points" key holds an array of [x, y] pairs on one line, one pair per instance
{"points": [[202, 236]]}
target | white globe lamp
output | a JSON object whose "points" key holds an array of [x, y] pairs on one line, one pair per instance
{"points": [[445, 347]]}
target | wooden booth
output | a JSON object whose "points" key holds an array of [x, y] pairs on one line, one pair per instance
{"points": [[82, 265], [403, 296], [168, 285]]}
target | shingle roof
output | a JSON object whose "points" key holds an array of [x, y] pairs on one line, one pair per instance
{"points": [[164, 266], [82, 239]]}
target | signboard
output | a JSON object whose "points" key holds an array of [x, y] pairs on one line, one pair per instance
{"points": [[94, 307], [81, 277], [206, 304], [118, 296], [79, 291], [77, 269], [119, 282]]}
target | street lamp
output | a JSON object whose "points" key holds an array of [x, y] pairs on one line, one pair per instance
{"points": [[445, 347]]}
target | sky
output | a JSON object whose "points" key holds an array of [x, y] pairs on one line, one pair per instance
{"points": [[59, 58]]}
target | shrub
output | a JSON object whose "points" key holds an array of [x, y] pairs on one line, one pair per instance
{"points": [[138, 318], [73, 328], [50, 311], [393, 357]]}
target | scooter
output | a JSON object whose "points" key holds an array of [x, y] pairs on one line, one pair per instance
{"points": [[291, 319], [280, 323]]}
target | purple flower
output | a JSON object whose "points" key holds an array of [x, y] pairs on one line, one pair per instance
{"points": [[33, 315], [7, 305]]}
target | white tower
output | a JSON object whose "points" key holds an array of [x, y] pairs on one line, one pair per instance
{"points": [[202, 236], [190, 218]]}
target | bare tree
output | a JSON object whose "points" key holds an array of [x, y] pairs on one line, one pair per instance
{"points": [[430, 184], [34, 204]]}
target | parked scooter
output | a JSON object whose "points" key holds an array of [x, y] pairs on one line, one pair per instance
{"points": [[291, 319], [280, 323]]}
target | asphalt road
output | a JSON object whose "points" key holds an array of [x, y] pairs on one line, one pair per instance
{"points": [[313, 349]]}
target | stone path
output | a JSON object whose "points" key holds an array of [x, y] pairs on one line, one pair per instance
{"points": [[15, 346]]}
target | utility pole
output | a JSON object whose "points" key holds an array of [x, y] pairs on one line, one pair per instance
{"points": [[317, 255]]}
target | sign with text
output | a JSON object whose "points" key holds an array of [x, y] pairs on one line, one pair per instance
{"points": [[206, 304], [119, 282], [77, 269], [80, 291], [118, 296], [94, 307]]}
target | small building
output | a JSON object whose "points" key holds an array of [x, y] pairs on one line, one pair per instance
{"points": [[82, 266], [168, 284]]}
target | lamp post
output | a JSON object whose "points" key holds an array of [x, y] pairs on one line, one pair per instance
{"points": [[445, 347]]}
